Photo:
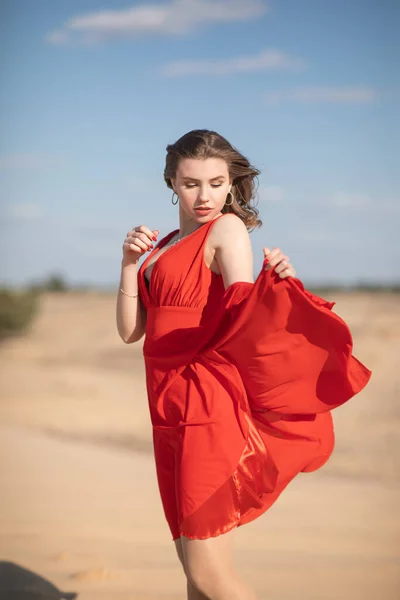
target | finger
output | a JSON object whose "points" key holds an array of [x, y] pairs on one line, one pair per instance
{"points": [[278, 259], [144, 238], [152, 235], [287, 273], [267, 257], [141, 245], [270, 255], [272, 252], [132, 236], [138, 244], [132, 247], [266, 251], [282, 265], [279, 262], [136, 240]]}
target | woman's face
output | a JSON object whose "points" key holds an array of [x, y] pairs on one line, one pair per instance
{"points": [[202, 184]]}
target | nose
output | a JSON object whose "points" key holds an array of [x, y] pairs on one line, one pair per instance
{"points": [[203, 195]]}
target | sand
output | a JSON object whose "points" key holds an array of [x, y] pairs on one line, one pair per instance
{"points": [[79, 501]]}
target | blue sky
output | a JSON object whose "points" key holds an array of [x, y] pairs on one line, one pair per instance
{"points": [[92, 92]]}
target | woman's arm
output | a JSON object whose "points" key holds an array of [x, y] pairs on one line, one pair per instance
{"points": [[233, 252], [131, 314]]}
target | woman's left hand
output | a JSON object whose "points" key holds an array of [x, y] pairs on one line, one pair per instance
{"points": [[279, 262]]}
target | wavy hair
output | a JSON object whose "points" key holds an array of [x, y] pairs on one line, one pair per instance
{"points": [[202, 144]]}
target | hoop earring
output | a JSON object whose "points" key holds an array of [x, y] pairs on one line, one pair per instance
{"points": [[232, 199], [177, 199]]}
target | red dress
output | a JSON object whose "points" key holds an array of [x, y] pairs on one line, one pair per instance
{"points": [[240, 386]]}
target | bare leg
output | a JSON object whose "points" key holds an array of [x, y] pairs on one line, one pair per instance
{"points": [[192, 592], [209, 568]]}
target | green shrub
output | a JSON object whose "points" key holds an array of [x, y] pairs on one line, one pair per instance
{"points": [[55, 283], [17, 310]]}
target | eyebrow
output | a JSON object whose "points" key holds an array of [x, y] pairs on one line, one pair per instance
{"points": [[213, 179]]}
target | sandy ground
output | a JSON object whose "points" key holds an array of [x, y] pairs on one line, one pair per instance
{"points": [[79, 501]]}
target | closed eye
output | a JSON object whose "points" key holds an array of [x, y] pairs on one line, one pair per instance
{"points": [[192, 185]]}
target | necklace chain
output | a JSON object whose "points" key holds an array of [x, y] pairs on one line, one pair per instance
{"points": [[181, 238]]}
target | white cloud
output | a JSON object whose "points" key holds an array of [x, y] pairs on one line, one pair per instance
{"points": [[265, 60], [175, 17], [349, 200], [58, 37], [28, 211], [271, 194], [321, 94]]}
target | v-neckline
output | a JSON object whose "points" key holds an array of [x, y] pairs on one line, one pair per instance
{"points": [[163, 242], [161, 245]]}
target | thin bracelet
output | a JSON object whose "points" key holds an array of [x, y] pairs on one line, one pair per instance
{"points": [[129, 295]]}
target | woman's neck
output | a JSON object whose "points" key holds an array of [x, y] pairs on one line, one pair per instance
{"points": [[186, 225]]}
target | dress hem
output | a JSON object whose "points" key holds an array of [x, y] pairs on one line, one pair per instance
{"points": [[206, 537]]}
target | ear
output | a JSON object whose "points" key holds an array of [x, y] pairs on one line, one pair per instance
{"points": [[173, 183]]}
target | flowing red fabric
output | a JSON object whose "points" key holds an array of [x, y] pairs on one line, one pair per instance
{"points": [[241, 383]]}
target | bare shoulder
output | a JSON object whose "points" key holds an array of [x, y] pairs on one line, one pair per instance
{"points": [[227, 230], [231, 247]]}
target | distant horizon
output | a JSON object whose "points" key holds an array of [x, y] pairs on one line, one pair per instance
{"points": [[356, 285]]}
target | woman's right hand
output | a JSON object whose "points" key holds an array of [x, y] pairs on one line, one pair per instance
{"points": [[138, 241]]}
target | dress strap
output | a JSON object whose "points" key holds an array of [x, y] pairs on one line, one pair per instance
{"points": [[207, 230]]}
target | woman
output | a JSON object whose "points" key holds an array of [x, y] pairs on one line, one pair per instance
{"points": [[241, 376]]}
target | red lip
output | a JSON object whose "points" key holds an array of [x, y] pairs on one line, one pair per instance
{"points": [[203, 209]]}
